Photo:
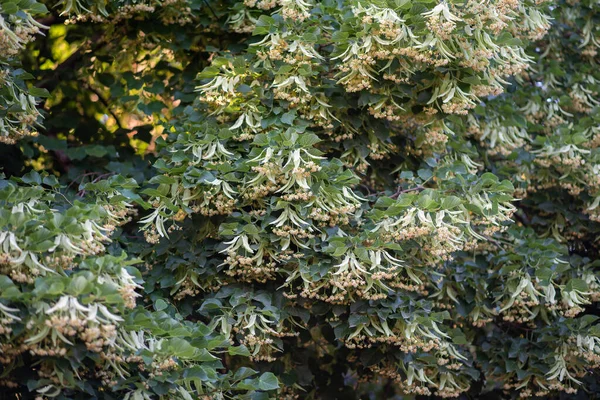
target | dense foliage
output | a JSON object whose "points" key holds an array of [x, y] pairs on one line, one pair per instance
{"points": [[299, 199]]}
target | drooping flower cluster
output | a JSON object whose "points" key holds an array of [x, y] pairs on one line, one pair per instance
{"points": [[18, 105], [65, 303], [335, 195]]}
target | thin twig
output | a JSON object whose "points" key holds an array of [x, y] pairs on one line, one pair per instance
{"points": [[210, 8], [81, 193], [81, 177], [65, 197], [105, 102], [399, 192], [491, 239], [368, 189]]}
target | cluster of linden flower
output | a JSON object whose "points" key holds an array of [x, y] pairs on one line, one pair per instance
{"points": [[53, 329], [37, 240], [292, 90], [287, 173], [409, 337], [215, 197], [293, 10], [386, 36], [241, 20], [118, 211], [292, 87], [170, 12], [244, 21], [22, 115], [370, 275], [127, 345], [189, 285], [128, 11], [568, 160], [19, 108], [500, 138], [257, 264], [290, 174], [422, 379], [535, 387], [23, 264], [248, 264], [379, 48], [16, 30], [285, 169], [573, 358], [431, 137], [257, 329], [221, 94], [94, 324], [280, 176], [560, 112], [9, 316], [440, 233], [524, 297], [284, 180]]}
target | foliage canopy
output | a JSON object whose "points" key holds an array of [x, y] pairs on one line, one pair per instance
{"points": [[299, 199]]}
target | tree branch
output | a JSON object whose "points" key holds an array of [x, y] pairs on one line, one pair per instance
{"points": [[399, 192], [105, 102], [52, 81]]}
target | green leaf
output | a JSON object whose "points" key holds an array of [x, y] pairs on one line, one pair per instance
{"points": [[288, 117], [238, 351], [78, 285], [160, 305], [425, 174], [38, 92], [268, 381]]}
